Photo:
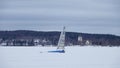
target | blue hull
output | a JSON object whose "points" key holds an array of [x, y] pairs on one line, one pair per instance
{"points": [[57, 51]]}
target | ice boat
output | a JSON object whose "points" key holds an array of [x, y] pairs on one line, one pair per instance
{"points": [[61, 43]]}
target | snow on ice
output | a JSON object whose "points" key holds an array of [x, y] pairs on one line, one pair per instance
{"points": [[74, 57]]}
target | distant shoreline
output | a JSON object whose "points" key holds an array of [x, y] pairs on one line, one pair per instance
{"points": [[33, 38]]}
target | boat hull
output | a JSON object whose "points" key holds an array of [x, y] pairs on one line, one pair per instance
{"points": [[57, 51]]}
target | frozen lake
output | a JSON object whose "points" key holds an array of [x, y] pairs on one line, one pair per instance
{"points": [[75, 57]]}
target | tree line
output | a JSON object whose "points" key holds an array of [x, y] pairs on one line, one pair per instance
{"points": [[53, 37]]}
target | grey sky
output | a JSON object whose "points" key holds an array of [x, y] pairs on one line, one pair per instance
{"points": [[88, 16]]}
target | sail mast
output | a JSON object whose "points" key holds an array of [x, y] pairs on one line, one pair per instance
{"points": [[61, 42]]}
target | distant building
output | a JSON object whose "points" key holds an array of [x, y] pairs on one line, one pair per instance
{"points": [[87, 42], [80, 40], [9, 43], [46, 42], [3, 44], [36, 42]]}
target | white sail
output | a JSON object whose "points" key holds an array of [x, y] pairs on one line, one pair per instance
{"points": [[61, 42]]}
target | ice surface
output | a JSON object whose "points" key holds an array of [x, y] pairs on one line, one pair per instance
{"points": [[75, 57]]}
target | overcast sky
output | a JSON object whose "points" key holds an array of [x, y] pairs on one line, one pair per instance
{"points": [[87, 16]]}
